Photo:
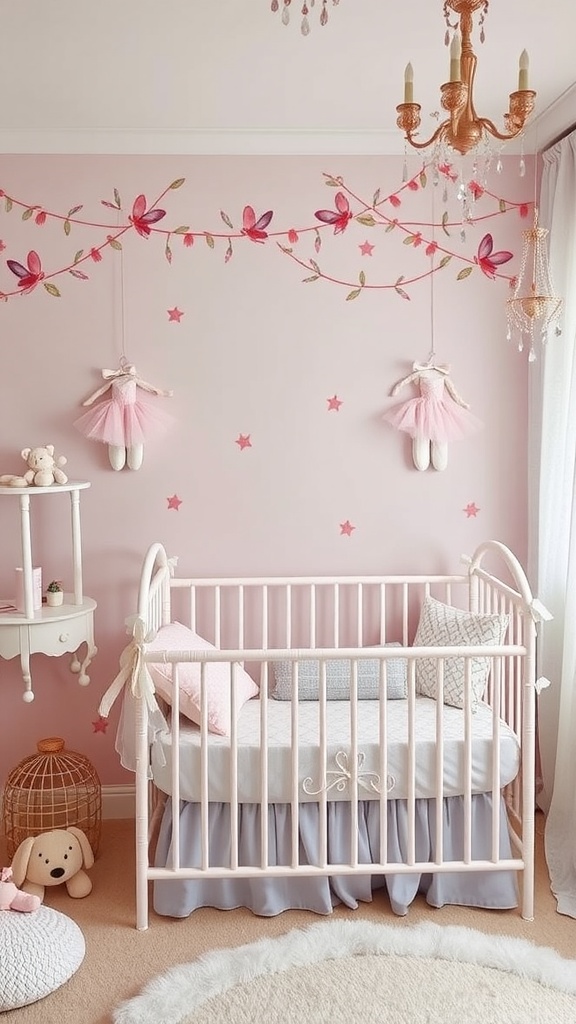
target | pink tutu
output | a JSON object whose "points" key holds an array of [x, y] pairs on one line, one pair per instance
{"points": [[130, 416], [433, 415]]}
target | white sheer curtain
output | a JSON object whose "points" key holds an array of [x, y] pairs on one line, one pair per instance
{"points": [[553, 526]]}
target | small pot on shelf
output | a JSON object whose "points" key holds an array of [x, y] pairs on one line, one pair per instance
{"points": [[54, 594]]}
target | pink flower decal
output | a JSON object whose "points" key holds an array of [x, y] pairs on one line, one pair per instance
{"points": [[40, 218], [253, 228], [339, 217], [188, 239], [95, 255], [292, 236], [29, 275], [143, 218], [488, 260]]}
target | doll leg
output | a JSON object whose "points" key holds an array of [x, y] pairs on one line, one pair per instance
{"points": [[439, 454], [421, 452], [117, 455], [135, 456]]}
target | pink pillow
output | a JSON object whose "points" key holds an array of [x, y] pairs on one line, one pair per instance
{"points": [[176, 637]]}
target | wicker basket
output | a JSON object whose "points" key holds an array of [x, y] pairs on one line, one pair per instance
{"points": [[54, 788]]}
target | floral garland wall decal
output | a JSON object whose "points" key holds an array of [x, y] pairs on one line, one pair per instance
{"points": [[145, 217]]}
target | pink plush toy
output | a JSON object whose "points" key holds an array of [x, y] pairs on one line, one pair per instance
{"points": [[12, 898]]}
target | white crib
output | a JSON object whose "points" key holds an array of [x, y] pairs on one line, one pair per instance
{"points": [[339, 794]]}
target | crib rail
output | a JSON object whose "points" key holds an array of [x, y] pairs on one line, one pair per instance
{"points": [[254, 622]]}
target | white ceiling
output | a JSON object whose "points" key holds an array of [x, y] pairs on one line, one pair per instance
{"points": [[227, 76]]}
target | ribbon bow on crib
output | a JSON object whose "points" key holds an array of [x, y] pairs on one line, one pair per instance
{"points": [[133, 669]]}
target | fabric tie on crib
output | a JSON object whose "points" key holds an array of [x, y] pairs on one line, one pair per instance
{"points": [[133, 670]]}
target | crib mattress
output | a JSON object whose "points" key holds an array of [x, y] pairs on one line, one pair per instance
{"points": [[335, 780]]}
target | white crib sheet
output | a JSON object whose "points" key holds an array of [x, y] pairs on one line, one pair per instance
{"points": [[338, 753]]}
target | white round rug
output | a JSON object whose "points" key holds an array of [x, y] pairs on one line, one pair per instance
{"points": [[348, 972], [38, 953]]}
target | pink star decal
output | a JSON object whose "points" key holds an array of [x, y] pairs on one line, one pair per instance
{"points": [[346, 528], [100, 725], [174, 502], [366, 248], [334, 403], [471, 510], [175, 314], [243, 441]]}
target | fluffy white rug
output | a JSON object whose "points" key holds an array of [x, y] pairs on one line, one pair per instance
{"points": [[339, 972]]}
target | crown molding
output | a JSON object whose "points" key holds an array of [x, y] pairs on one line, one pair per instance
{"points": [[551, 123], [556, 120], [202, 141]]}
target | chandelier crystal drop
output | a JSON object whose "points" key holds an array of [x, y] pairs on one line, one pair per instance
{"points": [[464, 130], [534, 309], [305, 10]]}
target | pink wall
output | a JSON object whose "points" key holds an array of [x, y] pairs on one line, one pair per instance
{"points": [[257, 352]]}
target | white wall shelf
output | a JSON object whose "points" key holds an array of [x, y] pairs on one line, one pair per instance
{"points": [[49, 630]]}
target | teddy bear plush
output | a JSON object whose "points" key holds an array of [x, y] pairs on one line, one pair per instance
{"points": [[43, 469], [12, 898], [52, 858]]}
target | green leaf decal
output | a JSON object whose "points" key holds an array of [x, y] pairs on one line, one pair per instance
{"points": [[315, 266], [362, 278], [178, 183], [226, 219], [7, 204], [366, 219], [74, 210], [114, 243], [402, 294], [444, 261], [66, 227], [353, 294], [27, 213], [78, 255], [376, 197], [391, 225], [502, 206], [409, 240], [444, 223], [423, 179], [117, 198], [80, 274], [333, 182], [209, 241], [51, 289], [182, 230], [314, 277], [464, 273]]}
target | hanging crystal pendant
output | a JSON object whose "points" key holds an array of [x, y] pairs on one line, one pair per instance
{"points": [[305, 27], [522, 167], [508, 334], [323, 13], [286, 13], [274, 6], [499, 165], [531, 355]]}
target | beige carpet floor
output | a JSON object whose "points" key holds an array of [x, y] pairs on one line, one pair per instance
{"points": [[120, 960]]}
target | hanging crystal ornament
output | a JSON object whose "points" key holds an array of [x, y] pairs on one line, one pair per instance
{"points": [[534, 308], [305, 26]]}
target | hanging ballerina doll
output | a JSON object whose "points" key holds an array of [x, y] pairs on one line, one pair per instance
{"points": [[434, 417], [127, 418]]}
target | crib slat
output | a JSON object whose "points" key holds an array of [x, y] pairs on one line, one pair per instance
{"points": [[353, 766], [204, 795]]}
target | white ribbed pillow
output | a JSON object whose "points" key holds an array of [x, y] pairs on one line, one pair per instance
{"points": [[442, 625]]}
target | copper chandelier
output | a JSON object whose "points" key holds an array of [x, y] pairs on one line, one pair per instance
{"points": [[463, 130]]}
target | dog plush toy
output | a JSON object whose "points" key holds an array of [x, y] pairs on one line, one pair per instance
{"points": [[12, 898], [54, 857], [43, 469]]}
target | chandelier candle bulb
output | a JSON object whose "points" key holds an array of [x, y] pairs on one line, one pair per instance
{"points": [[409, 84], [523, 71], [455, 55]]}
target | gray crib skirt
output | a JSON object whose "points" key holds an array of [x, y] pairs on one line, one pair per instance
{"points": [[270, 896]]}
